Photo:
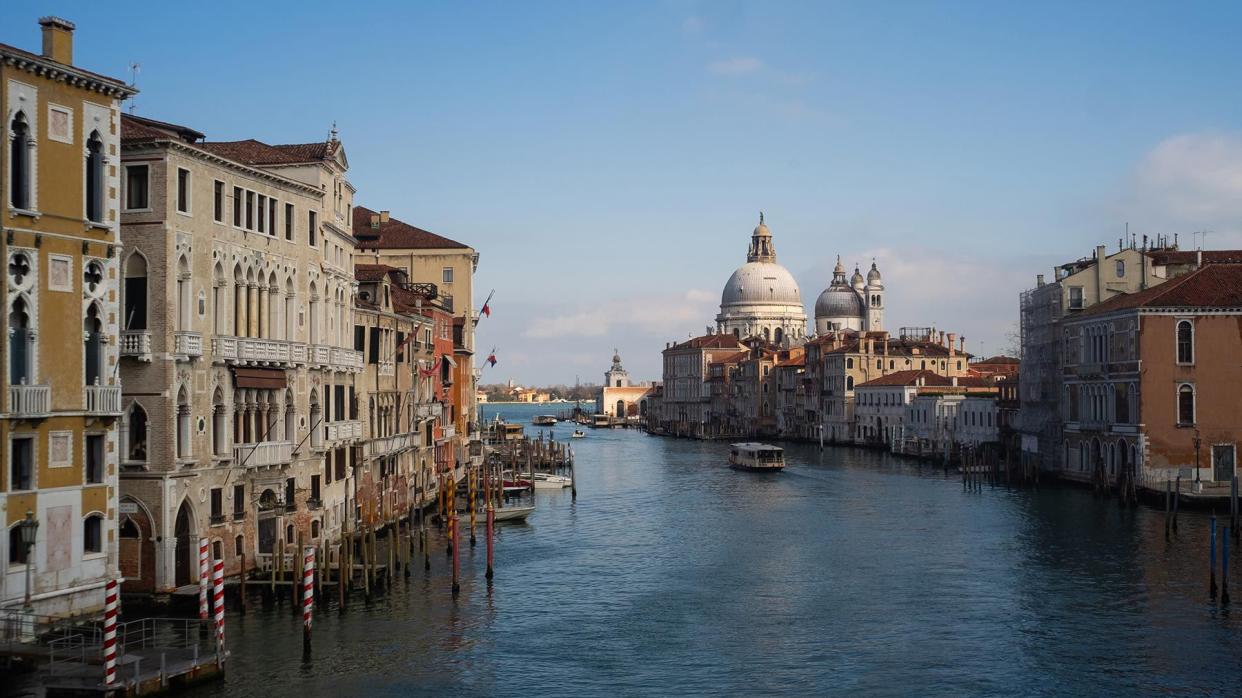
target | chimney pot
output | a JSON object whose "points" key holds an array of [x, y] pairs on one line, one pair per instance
{"points": [[1039, 280], [383, 216], [57, 39], [375, 220]]}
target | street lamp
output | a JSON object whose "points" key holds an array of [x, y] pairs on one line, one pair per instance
{"points": [[29, 527], [1198, 443]]}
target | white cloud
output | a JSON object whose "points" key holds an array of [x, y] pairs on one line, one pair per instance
{"points": [[1189, 182], [652, 315], [734, 67]]}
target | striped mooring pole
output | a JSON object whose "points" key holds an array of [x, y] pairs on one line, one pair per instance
{"points": [[217, 584], [112, 598], [308, 597], [203, 576]]}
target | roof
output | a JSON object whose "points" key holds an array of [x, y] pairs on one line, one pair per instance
{"points": [[732, 358], [907, 378], [140, 128], [1166, 257], [251, 152], [793, 361], [997, 360], [115, 84], [396, 234], [1217, 285], [710, 341], [372, 272]]}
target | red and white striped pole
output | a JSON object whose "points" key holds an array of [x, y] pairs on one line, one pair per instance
{"points": [[203, 575], [217, 583], [308, 597], [112, 598]]}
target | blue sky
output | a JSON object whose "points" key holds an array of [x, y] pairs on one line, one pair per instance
{"points": [[608, 160]]}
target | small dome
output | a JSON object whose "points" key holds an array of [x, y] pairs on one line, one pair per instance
{"points": [[857, 279], [874, 274], [761, 283], [839, 302]]}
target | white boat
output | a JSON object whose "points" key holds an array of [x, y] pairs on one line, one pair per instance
{"points": [[544, 420], [756, 457], [549, 481], [516, 513], [578, 434]]}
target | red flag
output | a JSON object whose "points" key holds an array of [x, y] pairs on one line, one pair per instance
{"points": [[487, 310], [491, 359], [487, 305]]}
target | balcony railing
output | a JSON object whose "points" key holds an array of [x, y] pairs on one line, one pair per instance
{"points": [[388, 445], [428, 410], [340, 431], [30, 400], [263, 454], [103, 399], [188, 344], [251, 351], [137, 344]]}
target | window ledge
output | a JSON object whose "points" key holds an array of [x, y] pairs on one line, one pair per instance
{"points": [[187, 214], [96, 225], [138, 210], [187, 462], [14, 211], [93, 556]]}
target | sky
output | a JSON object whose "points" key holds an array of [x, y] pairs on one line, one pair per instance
{"points": [[609, 160]]}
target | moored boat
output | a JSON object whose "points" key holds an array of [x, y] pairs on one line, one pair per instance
{"points": [[551, 481], [516, 513], [544, 420], [756, 457]]}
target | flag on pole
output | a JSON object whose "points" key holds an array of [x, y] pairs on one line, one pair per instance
{"points": [[491, 359], [487, 305]]}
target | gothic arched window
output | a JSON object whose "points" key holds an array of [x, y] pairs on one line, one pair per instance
{"points": [[95, 178], [1185, 342], [19, 162], [1186, 404]]}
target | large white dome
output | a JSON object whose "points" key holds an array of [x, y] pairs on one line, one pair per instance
{"points": [[761, 283]]}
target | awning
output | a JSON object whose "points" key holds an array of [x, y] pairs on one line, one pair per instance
{"points": [[448, 359], [262, 378]]}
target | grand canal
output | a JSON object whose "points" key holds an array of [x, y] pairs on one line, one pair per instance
{"points": [[852, 572]]}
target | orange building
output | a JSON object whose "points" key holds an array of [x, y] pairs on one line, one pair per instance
{"points": [[1151, 382]]}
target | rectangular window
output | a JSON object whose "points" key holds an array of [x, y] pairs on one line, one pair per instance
{"points": [[448, 275], [92, 534], [271, 216], [239, 502], [313, 228], [1075, 297], [373, 347], [249, 210], [183, 190], [338, 400], [21, 470], [314, 494], [400, 358], [262, 214], [136, 191], [217, 505], [353, 403], [217, 201], [360, 338], [94, 459], [237, 207], [289, 222], [291, 502]]}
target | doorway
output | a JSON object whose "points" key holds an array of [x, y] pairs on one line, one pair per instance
{"points": [[187, 559], [1222, 462]]}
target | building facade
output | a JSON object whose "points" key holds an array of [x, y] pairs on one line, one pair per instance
{"points": [[60, 392]]}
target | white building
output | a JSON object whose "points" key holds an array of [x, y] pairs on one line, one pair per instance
{"points": [[761, 298], [977, 421], [855, 305]]}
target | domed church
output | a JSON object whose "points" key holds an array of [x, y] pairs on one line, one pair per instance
{"points": [[762, 299], [856, 304]]}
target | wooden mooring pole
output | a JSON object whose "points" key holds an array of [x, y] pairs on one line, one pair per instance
{"points": [[1212, 558]]}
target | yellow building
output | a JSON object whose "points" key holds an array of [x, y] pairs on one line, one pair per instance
{"points": [[60, 396]]}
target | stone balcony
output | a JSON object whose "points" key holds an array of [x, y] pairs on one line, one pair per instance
{"points": [[103, 400], [343, 431], [136, 344], [428, 410], [252, 351], [187, 345], [335, 358], [29, 401], [264, 454], [389, 445]]}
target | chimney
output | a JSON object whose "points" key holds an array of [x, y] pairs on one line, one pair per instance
{"points": [[383, 217], [375, 221], [954, 381], [1199, 257], [57, 39], [961, 344], [1039, 280], [952, 339]]}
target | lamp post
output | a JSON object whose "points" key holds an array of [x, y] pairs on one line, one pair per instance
{"points": [[29, 527]]}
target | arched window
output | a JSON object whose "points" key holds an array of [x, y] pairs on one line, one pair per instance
{"points": [[17, 549], [219, 300], [19, 162], [136, 449], [129, 529], [183, 294], [314, 315], [239, 546], [849, 362], [92, 329], [95, 178], [21, 343], [92, 534], [239, 302], [183, 423], [315, 528], [135, 293], [291, 312], [779, 336], [316, 429], [1185, 404], [273, 306], [1185, 342], [219, 424], [849, 382], [290, 417], [289, 534]]}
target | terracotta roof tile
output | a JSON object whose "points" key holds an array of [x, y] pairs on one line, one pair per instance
{"points": [[1166, 257], [1216, 285], [710, 341], [396, 234], [907, 378]]}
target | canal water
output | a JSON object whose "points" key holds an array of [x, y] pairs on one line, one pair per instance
{"points": [[853, 572]]}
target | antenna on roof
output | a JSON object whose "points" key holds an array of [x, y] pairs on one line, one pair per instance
{"points": [[133, 82]]}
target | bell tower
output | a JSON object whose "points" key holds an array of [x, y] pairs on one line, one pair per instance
{"points": [[616, 377]]}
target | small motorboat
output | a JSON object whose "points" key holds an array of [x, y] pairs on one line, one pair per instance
{"points": [[544, 420], [517, 513], [550, 481], [757, 458], [514, 485], [578, 434]]}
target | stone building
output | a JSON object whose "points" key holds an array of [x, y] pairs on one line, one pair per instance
{"points": [[61, 397], [241, 423], [856, 305], [1150, 381], [686, 395], [619, 398]]}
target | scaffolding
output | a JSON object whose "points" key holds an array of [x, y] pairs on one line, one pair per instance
{"points": [[1040, 379]]}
